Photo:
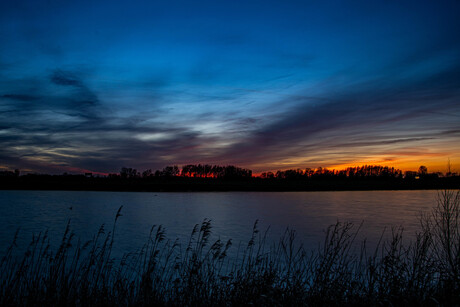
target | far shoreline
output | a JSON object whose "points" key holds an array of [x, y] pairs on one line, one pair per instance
{"points": [[179, 184]]}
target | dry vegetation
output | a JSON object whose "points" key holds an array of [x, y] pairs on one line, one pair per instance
{"points": [[425, 271]]}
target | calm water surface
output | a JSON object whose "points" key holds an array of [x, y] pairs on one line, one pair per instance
{"points": [[233, 214]]}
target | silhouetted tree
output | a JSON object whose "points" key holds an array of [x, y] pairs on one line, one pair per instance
{"points": [[147, 173], [214, 171], [129, 173], [267, 175], [422, 170], [170, 171]]}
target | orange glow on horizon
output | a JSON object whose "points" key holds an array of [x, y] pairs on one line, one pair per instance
{"points": [[407, 164], [412, 164]]}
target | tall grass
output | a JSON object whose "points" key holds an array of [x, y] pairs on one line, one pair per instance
{"points": [[341, 271]]}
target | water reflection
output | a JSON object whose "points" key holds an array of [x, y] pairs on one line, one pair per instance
{"points": [[233, 214]]}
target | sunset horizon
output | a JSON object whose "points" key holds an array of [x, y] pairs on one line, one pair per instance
{"points": [[59, 170], [229, 153], [97, 86], [408, 164]]}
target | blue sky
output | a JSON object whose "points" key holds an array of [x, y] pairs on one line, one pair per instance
{"points": [[97, 85]]}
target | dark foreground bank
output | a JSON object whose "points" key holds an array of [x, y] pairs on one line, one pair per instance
{"points": [[178, 184], [341, 272]]}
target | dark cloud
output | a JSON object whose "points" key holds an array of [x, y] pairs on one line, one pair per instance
{"points": [[21, 97], [65, 78], [82, 102], [75, 129], [380, 142], [215, 83], [357, 117], [104, 145]]}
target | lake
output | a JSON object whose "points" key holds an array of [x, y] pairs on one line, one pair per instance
{"points": [[232, 214]]}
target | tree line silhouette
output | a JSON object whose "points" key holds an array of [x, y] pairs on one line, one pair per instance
{"points": [[206, 177], [351, 172], [234, 172], [189, 171]]}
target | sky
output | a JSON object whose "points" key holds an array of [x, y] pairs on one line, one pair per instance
{"points": [[266, 85]]}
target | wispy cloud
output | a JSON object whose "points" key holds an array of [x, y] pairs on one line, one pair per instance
{"points": [[358, 118], [265, 87]]}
